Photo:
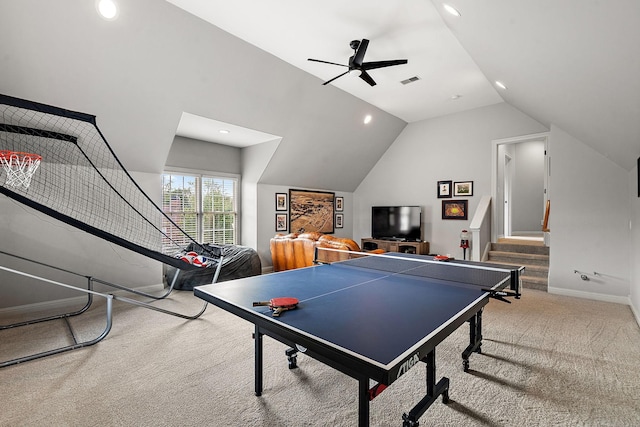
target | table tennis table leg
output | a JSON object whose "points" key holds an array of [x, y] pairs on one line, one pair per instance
{"points": [[363, 402], [257, 336], [441, 388], [475, 339]]}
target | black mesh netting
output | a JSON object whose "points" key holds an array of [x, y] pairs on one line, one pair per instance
{"points": [[80, 180]]}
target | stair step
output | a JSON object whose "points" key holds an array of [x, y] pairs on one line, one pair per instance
{"points": [[510, 247], [529, 270], [508, 257], [534, 259], [537, 283]]}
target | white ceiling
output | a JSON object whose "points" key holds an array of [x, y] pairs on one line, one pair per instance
{"points": [[574, 63]]}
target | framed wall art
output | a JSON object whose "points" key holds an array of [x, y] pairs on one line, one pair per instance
{"points": [[281, 222], [463, 188], [339, 204], [311, 211], [454, 209], [281, 202], [339, 220], [444, 189]]}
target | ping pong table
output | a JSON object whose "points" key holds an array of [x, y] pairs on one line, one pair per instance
{"points": [[372, 317]]}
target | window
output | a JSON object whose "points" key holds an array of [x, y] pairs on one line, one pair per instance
{"points": [[203, 206]]}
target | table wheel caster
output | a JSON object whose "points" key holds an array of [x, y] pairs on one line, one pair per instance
{"points": [[407, 422], [292, 358]]}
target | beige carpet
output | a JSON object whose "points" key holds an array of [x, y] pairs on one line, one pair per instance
{"points": [[547, 361]]}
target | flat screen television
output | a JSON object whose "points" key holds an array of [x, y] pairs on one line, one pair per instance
{"points": [[396, 223]]}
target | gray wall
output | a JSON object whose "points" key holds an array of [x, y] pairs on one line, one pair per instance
{"points": [[634, 254], [33, 235], [204, 156], [589, 221], [528, 185], [139, 73], [455, 147]]}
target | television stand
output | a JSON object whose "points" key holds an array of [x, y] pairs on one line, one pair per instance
{"points": [[398, 245]]}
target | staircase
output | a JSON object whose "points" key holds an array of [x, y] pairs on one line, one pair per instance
{"points": [[534, 256]]}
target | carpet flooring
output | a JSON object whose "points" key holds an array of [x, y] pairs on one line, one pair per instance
{"points": [[547, 360]]}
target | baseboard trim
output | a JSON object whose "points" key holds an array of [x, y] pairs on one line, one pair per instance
{"points": [[590, 295], [66, 303], [636, 313]]}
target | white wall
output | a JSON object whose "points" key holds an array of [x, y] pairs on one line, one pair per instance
{"points": [[589, 221], [455, 147], [634, 254]]}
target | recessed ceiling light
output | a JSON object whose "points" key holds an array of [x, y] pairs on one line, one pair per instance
{"points": [[500, 85], [452, 10], [367, 119], [454, 97], [225, 131], [108, 9]]}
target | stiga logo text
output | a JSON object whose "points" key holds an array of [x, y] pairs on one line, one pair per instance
{"points": [[408, 364]]}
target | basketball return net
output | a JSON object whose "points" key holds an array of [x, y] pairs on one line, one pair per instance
{"points": [[58, 162]]}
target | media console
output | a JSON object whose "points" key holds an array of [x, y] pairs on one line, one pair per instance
{"points": [[419, 248]]}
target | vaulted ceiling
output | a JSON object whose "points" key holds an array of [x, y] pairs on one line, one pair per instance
{"points": [[572, 63]]}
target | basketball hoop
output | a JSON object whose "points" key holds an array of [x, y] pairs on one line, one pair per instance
{"points": [[19, 167]]}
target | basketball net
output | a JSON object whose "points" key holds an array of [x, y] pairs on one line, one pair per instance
{"points": [[19, 167]]}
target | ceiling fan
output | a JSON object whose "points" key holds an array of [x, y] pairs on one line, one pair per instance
{"points": [[356, 62]]}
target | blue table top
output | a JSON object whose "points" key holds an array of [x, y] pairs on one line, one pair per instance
{"points": [[378, 316]]}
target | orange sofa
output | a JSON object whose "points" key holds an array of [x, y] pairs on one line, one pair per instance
{"points": [[297, 250]]}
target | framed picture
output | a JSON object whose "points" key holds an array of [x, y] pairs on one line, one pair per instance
{"points": [[463, 188], [444, 189], [311, 211], [281, 201], [454, 209], [339, 219], [339, 204], [281, 222]]}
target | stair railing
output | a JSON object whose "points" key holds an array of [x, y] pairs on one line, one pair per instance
{"points": [[480, 228]]}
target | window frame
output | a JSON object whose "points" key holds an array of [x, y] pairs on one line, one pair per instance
{"points": [[200, 214]]}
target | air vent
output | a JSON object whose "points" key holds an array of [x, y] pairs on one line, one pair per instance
{"points": [[410, 80]]}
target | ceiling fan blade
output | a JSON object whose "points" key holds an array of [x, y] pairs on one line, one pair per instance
{"points": [[327, 62], [359, 56], [367, 78], [381, 64], [329, 81]]}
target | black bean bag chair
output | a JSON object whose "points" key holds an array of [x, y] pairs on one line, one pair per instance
{"points": [[237, 262]]}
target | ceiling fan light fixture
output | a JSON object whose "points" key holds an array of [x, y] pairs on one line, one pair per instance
{"points": [[452, 10], [355, 73]]}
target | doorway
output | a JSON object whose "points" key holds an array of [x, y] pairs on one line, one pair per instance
{"points": [[520, 178]]}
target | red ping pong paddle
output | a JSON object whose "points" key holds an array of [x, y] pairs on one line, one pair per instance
{"points": [[441, 258], [278, 305]]}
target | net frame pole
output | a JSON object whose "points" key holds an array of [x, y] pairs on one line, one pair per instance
{"points": [[90, 292], [76, 344]]}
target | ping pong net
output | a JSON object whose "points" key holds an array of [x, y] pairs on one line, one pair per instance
{"points": [[467, 274]]}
